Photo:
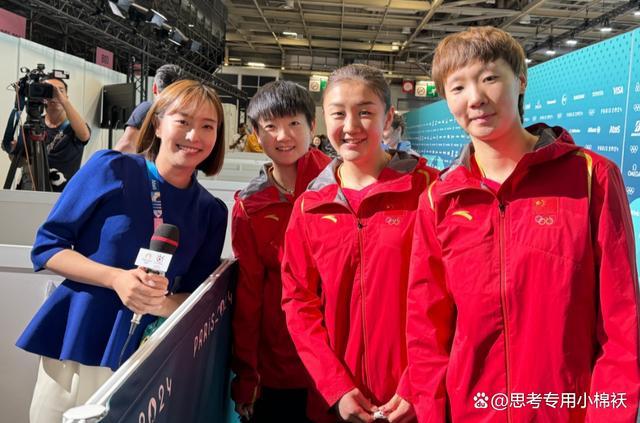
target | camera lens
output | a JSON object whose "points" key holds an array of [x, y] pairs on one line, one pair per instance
{"points": [[39, 90]]}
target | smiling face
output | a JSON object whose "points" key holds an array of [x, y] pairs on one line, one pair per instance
{"points": [[186, 137], [285, 139], [355, 117], [483, 97]]}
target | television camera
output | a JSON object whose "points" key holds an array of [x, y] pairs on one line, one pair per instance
{"points": [[32, 93]]}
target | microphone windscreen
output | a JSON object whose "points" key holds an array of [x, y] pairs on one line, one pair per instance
{"points": [[165, 239]]}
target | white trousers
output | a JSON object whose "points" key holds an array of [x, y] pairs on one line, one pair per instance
{"points": [[62, 385]]}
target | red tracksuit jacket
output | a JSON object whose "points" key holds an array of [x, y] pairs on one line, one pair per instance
{"points": [[263, 354], [344, 277], [530, 292]]}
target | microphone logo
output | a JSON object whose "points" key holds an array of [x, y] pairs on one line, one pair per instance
{"points": [[153, 260]]}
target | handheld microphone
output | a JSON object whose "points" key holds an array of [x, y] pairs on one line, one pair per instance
{"points": [[157, 258]]}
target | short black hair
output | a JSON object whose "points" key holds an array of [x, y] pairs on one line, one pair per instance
{"points": [[279, 99], [167, 75]]}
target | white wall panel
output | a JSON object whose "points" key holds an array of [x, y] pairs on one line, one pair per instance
{"points": [[9, 48], [23, 293], [230, 123]]}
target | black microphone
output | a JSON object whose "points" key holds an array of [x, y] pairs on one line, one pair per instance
{"points": [[164, 243], [164, 240]]}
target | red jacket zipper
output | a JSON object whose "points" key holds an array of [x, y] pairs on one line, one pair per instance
{"points": [[362, 302], [503, 297]]}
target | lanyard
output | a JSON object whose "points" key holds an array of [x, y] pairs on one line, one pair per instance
{"points": [[59, 135], [156, 204]]}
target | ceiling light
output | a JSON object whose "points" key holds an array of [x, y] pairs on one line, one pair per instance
{"points": [[406, 30], [527, 60], [550, 51], [195, 46], [177, 37], [606, 29], [571, 42], [157, 19], [116, 11], [139, 13], [191, 25], [255, 64], [290, 33], [234, 59], [123, 4], [120, 6], [525, 19], [636, 13]]}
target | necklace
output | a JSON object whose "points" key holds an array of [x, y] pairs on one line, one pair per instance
{"points": [[278, 185]]}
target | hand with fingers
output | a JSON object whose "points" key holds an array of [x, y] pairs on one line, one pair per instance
{"points": [[398, 410], [141, 292], [355, 407], [59, 94], [245, 411]]}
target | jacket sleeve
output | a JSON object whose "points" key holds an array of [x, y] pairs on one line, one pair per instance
{"points": [[248, 309], [303, 308], [616, 369], [88, 190], [431, 318], [404, 386]]}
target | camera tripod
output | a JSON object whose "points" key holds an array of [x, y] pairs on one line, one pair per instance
{"points": [[37, 158]]}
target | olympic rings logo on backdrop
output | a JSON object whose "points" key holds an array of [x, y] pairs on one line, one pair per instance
{"points": [[544, 220]]}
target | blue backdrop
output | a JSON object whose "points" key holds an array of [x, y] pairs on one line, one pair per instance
{"points": [[593, 92]]}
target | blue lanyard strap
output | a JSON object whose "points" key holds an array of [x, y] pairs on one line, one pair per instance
{"points": [[156, 204]]}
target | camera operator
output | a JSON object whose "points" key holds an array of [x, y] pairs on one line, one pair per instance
{"points": [[66, 134]]}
